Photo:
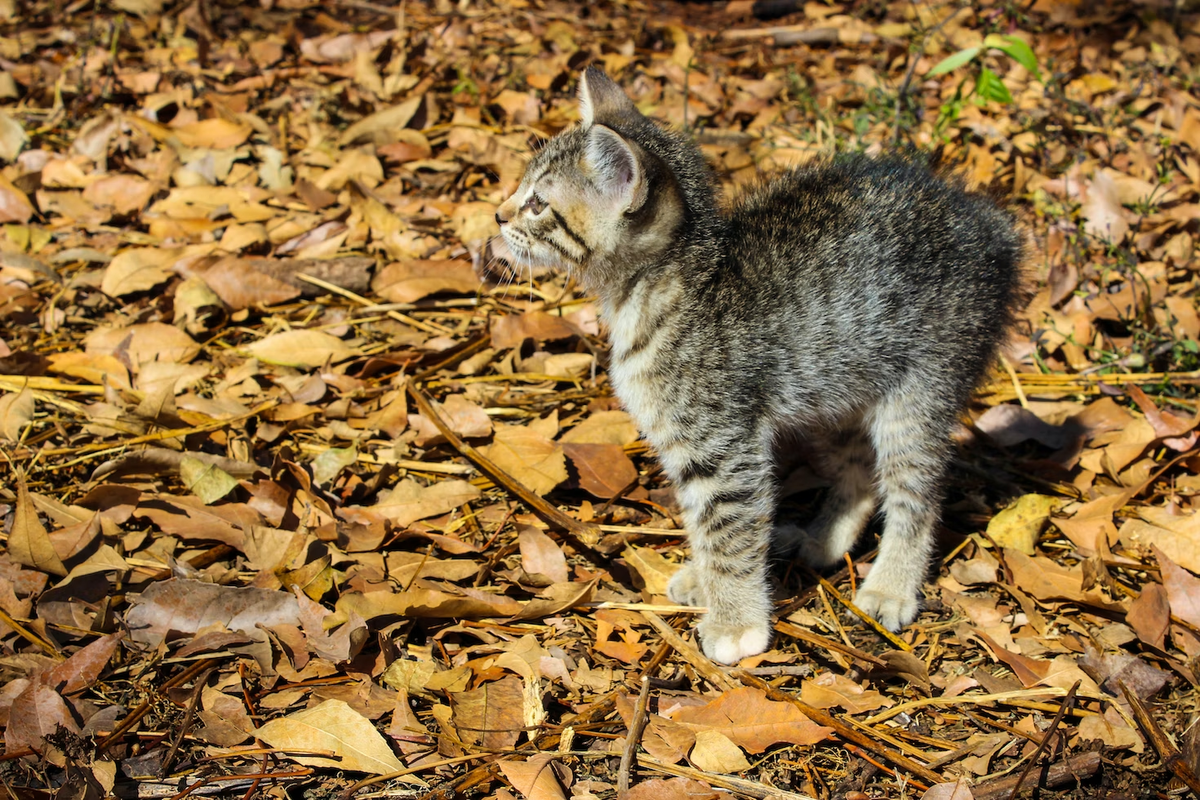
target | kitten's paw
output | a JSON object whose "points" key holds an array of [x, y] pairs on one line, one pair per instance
{"points": [[729, 644], [892, 611], [686, 587]]}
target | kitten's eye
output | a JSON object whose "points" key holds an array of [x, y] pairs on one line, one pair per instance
{"points": [[535, 205]]}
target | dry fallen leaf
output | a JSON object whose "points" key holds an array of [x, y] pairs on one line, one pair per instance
{"points": [[534, 778], [529, 456], [333, 727]]}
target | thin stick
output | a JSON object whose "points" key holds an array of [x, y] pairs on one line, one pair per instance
{"points": [[551, 515], [965, 699], [865, 617], [428, 327], [130, 722], [636, 727], [753, 789], [1041, 748], [400, 773], [1016, 382], [189, 715], [1171, 757], [841, 729], [707, 669]]}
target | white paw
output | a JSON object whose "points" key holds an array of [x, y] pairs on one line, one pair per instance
{"points": [[686, 588], [729, 644], [891, 611]]}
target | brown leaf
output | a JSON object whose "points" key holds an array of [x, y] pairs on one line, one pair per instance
{"points": [[1009, 425], [603, 427], [425, 603], [492, 715], [1150, 615], [1183, 588], [1048, 580], [540, 556], [409, 501], [511, 329], [16, 412], [14, 204], [408, 281], [530, 457], [465, 418], [534, 778], [177, 607], [603, 469], [830, 690], [217, 133], [28, 542], [83, 668], [36, 713], [1165, 423], [748, 719], [652, 572], [148, 341], [671, 789], [1110, 670], [333, 727]]}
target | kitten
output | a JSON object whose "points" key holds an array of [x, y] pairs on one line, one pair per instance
{"points": [[856, 304]]}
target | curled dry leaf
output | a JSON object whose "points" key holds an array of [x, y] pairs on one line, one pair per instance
{"points": [[649, 566], [28, 542], [535, 778], [1022, 521], [16, 412]]}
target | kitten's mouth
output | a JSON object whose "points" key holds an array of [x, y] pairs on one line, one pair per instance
{"points": [[506, 263]]}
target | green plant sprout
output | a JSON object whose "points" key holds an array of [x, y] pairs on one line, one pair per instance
{"points": [[988, 85]]}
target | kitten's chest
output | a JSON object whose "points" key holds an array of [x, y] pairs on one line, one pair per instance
{"points": [[643, 364]]}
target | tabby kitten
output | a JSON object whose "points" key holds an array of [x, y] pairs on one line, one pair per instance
{"points": [[856, 304]]}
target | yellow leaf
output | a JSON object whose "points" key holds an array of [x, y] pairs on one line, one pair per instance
{"points": [[336, 728], [300, 349], [1019, 525]]}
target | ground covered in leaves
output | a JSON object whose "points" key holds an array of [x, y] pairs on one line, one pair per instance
{"points": [[302, 485]]}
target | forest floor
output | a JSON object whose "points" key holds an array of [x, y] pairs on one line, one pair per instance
{"points": [[299, 499]]}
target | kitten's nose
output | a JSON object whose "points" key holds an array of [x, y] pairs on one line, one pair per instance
{"points": [[500, 218]]}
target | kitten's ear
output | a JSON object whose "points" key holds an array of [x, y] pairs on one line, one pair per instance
{"points": [[600, 98], [617, 168]]}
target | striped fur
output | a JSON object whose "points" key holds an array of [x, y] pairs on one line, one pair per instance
{"points": [[855, 304]]}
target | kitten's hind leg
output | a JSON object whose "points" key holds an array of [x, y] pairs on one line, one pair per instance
{"points": [[847, 460], [727, 499], [910, 431]]}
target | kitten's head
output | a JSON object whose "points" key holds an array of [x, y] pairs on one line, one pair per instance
{"points": [[607, 195]]}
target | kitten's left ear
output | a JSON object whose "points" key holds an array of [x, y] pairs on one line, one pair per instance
{"points": [[617, 167], [600, 99]]}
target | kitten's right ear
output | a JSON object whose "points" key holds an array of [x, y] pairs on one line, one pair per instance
{"points": [[616, 168], [600, 98]]}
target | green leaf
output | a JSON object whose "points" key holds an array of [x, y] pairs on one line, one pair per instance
{"points": [[207, 481], [953, 61], [989, 87], [1015, 49]]}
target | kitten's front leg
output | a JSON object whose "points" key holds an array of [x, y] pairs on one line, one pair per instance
{"points": [[728, 508]]}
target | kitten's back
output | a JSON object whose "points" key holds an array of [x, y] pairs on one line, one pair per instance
{"points": [[890, 262]]}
